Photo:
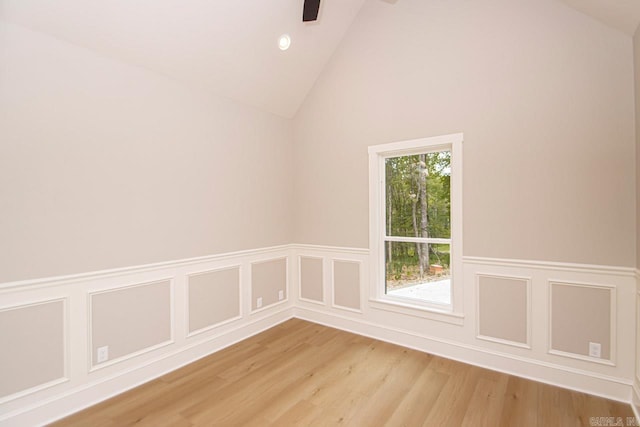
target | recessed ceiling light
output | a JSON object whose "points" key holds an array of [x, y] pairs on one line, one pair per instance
{"points": [[284, 42]]}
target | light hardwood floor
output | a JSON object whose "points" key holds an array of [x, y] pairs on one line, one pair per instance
{"points": [[302, 374]]}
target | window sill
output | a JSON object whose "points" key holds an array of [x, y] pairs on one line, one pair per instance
{"points": [[423, 312]]}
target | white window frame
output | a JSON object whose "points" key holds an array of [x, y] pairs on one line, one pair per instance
{"points": [[377, 229]]}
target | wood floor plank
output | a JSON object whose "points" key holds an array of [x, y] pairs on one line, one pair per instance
{"points": [[452, 404], [361, 371], [555, 405], [301, 413], [418, 402], [303, 374], [394, 386], [486, 403], [167, 404], [235, 400], [521, 403], [325, 367], [310, 367], [103, 413], [215, 363]]}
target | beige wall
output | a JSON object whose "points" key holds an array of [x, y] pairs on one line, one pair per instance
{"points": [[543, 95], [636, 57], [106, 165], [96, 153]]}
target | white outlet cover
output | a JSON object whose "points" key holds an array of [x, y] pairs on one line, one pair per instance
{"points": [[103, 354], [259, 302], [595, 349], [280, 295]]}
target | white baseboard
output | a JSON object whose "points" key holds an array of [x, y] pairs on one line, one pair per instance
{"points": [[635, 402], [79, 398], [561, 376], [92, 393]]}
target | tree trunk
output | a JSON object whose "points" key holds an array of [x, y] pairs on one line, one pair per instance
{"points": [[389, 216], [415, 231], [424, 222]]}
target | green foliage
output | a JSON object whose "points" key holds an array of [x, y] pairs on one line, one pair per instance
{"points": [[405, 257], [405, 206], [402, 190]]}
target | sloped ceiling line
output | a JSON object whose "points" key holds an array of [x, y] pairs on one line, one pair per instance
{"points": [[229, 47]]}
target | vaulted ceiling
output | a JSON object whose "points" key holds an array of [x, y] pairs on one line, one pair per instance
{"points": [[623, 15], [229, 47]]}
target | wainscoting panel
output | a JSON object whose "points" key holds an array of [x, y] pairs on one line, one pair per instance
{"points": [[213, 298], [311, 279], [504, 309], [93, 302], [130, 320], [268, 282], [582, 314], [347, 284], [153, 319], [504, 322], [32, 347]]}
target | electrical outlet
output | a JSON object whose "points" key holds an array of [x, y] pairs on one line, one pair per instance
{"points": [[280, 295], [259, 302], [103, 354], [595, 349]]}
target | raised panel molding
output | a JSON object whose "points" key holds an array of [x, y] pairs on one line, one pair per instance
{"points": [[85, 384], [346, 292], [595, 383], [301, 278], [269, 273], [582, 315], [195, 297], [130, 325], [10, 348], [425, 332], [504, 313]]}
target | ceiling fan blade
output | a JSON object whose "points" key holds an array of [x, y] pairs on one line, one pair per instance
{"points": [[310, 10]]}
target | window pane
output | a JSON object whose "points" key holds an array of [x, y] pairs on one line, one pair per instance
{"points": [[406, 276], [418, 195]]}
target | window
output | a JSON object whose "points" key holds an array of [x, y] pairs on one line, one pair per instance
{"points": [[415, 220]]}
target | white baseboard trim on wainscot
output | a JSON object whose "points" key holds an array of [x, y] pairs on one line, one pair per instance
{"points": [[37, 407], [81, 397], [635, 401], [562, 376]]}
